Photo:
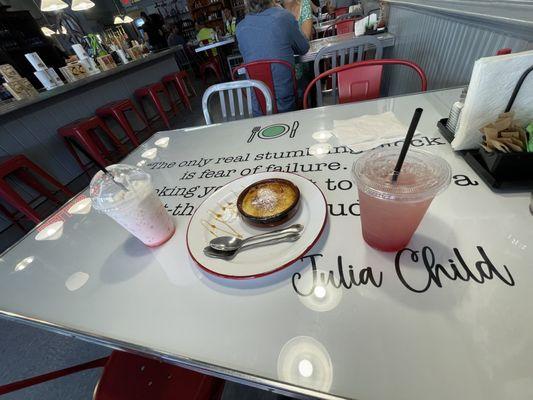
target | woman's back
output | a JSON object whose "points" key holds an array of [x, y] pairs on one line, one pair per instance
{"points": [[273, 34]]}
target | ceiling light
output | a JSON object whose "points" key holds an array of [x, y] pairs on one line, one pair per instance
{"points": [[118, 20], [53, 5], [81, 5], [128, 19]]}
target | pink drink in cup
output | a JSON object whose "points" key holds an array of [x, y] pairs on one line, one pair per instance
{"points": [[137, 209], [391, 211]]}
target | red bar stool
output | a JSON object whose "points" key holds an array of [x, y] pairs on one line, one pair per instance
{"points": [[27, 172], [152, 92], [177, 80], [117, 110], [214, 66], [131, 377], [86, 133]]}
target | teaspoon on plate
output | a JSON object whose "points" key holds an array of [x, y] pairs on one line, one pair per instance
{"points": [[229, 255], [230, 243]]}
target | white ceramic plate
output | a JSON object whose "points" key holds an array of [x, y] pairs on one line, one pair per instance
{"points": [[260, 261]]}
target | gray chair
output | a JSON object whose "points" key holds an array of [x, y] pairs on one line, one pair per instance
{"points": [[229, 88], [344, 53]]}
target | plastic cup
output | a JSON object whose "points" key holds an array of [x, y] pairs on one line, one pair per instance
{"points": [[392, 211], [137, 209]]}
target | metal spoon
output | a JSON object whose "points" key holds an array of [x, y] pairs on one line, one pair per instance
{"points": [[229, 243], [229, 255]]}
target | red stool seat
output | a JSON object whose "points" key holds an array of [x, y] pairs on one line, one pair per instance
{"points": [[117, 110], [130, 377], [88, 133], [26, 171], [214, 66], [152, 92], [179, 81]]}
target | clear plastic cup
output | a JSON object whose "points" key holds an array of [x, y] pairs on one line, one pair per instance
{"points": [[392, 211], [137, 209]]}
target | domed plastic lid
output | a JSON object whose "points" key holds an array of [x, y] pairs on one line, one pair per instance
{"points": [[423, 175], [109, 192]]}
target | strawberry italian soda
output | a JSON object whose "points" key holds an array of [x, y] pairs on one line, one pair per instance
{"points": [[391, 211], [131, 200]]}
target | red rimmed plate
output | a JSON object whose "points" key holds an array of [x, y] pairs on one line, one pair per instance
{"points": [[218, 215]]}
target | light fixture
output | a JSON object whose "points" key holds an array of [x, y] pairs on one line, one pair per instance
{"points": [[118, 20], [128, 19], [47, 31], [53, 5], [81, 5]]}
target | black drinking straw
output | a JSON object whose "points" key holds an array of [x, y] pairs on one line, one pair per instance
{"points": [[406, 143], [97, 163]]}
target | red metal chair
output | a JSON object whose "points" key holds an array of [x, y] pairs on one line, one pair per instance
{"points": [[262, 71], [341, 11], [178, 81], [152, 93], [27, 172], [88, 133], [504, 51], [117, 110], [341, 27], [362, 80], [131, 377], [212, 63]]}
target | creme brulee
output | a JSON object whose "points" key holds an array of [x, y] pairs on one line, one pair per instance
{"points": [[268, 199]]}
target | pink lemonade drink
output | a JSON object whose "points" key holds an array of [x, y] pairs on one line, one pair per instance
{"points": [[391, 211], [137, 209]]}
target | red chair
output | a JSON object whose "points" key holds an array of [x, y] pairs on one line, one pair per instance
{"points": [[27, 172], [152, 93], [88, 133], [178, 81], [211, 63], [117, 110], [504, 51], [131, 377], [362, 80], [341, 11], [341, 27], [262, 71]]}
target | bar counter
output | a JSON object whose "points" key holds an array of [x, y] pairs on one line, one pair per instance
{"points": [[30, 126]]}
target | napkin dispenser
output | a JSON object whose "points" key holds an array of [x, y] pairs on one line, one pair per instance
{"points": [[510, 172]]}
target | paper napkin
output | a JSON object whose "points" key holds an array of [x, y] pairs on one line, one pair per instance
{"points": [[369, 131], [491, 85]]}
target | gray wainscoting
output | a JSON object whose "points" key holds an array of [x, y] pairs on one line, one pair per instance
{"points": [[445, 45]]}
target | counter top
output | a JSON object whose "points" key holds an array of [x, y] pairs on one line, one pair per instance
{"points": [[69, 87]]}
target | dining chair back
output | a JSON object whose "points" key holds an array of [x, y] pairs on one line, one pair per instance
{"points": [[262, 71], [232, 89], [341, 11], [362, 80], [128, 376], [341, 54]]}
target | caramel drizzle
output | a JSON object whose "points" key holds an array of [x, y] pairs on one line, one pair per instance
{"points": [[209, 226]]}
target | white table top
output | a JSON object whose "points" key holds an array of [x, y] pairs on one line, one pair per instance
{"points": [[456, 340], [387, 39], [209, 46]]}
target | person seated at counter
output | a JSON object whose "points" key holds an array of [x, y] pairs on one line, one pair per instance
{"points": [[205, 33], [175, 37], [271, 32]]}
